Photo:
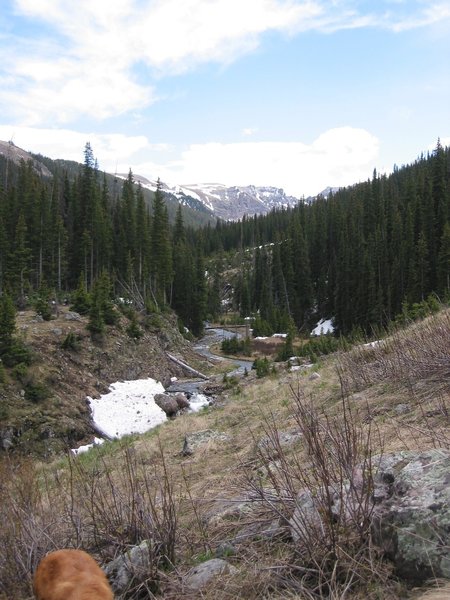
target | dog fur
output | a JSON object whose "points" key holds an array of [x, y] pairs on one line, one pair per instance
{"points": [[70, 575]]}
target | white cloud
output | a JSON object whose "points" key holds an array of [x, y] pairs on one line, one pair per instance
{"points": [[338, 157], [99, 58], [248, 131], [111, 149]]}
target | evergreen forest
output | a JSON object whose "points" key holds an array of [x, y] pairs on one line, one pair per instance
{"points": [[362, 256]]}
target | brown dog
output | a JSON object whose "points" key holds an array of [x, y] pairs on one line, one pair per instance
{"points": [[70, 575]]}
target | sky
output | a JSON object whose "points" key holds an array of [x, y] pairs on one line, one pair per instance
{"points": [[298, 94]]}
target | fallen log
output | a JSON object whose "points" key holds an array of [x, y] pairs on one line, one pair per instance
{"points": [[187, 367]]}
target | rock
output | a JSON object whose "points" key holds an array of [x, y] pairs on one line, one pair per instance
{"points": [[182, 401], [402, 409], [57, 331], [412, 516], [286, 439], [167, 403], [6, 438], [72, 316], [194, 440], [131, 568], [224, 549], [410, 506], [314, 376], [306, 521], [201, 575]]}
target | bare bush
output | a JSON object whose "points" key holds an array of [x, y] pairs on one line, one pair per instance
{"points": [[101, 507], [323, 496], [419, 353]]}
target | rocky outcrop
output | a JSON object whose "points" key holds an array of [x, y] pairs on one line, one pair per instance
{"points": [[196, 439], [409, 507], [131, 569], [412, 513]]}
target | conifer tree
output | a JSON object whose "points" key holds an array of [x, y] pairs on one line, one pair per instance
{"points": [[161, 250], [7, 323]]}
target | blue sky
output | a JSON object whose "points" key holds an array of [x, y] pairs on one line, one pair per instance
{"points": [[299, 94]]}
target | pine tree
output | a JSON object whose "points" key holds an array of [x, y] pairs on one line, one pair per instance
{"points": [[7, 323], [443, 266], [161, 250]]}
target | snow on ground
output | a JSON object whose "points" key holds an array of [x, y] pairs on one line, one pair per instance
{"points": [[97, 442], [323, 327], [128, 408]]}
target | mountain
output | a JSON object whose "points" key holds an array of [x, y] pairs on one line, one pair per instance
{"points": [[227, 203], [13, 153]]}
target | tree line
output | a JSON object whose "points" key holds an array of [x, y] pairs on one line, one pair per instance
{"points": [[362, 255], [71, 235]]}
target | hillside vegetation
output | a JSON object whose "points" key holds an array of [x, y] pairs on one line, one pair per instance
{"points": [[232, 492]]}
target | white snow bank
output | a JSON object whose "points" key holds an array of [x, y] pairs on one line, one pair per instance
{"points": [[323, 327], [128, 408]]}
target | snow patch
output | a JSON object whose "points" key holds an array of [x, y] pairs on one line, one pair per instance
{"points": [[323, 327], [128, 408]]}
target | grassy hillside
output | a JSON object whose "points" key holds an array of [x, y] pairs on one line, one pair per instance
{"points": [[262, 441]]}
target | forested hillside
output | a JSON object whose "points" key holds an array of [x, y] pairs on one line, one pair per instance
{"points": [[67, 232], [361, 256]]}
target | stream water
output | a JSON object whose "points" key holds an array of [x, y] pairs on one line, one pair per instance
{"points": [[215, 336], [212, 337]]}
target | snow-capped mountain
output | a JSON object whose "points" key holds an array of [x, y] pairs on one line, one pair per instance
{"points": [[227, 203]]}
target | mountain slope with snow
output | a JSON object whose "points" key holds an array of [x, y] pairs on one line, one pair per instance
{"points": [[227, 203]]}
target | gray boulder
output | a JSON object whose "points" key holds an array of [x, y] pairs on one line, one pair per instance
{"points": [[196, 439], [131, 569], [72, 316], [167, 403], [201, 575], [411, 520], [181, 401]]}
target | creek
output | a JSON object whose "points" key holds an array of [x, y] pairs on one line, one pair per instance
{"points": [[127, 408]]}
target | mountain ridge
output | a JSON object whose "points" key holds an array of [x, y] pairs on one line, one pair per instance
{"points": [[229, 203]]}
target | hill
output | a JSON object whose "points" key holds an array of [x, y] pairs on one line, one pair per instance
{"points": [[43, 407], [218, 489]]}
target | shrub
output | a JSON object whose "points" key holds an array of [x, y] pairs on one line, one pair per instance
{"points": [[2, 373], [20, 371], [36, 391], [42, 308], [326, 508], [133, 329], [317, 346], [235, 346], [262, 367], [88, 505], [17, 353], [81, 300], [71, 342]]}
